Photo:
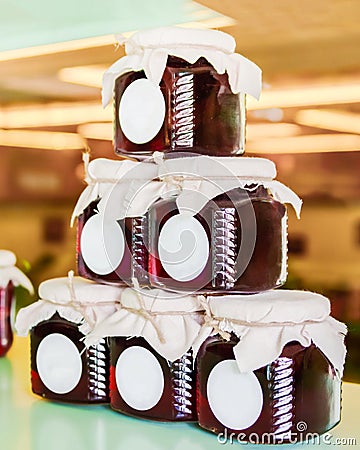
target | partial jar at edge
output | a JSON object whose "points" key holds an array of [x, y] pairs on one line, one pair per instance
{"points": [[6, 307], [219, 230], [202, 115]]}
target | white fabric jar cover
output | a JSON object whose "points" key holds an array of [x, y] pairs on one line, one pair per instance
{"points": [[266, 322], [128, 188], [124, 187], [149, 50], [8, 272], [197, 180], [170, 323], [75, 299]]}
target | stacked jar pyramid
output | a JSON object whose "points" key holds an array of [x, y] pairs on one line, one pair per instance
{"points": [[181, 246]]}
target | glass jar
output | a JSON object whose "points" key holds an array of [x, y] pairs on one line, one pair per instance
{"points": [[298, 387], [201, 114], [162, 390], [61, 367], [6, 305], [276, 393], [238, 217], [10, 277], [112, 230], [123, 248], [151, 358], [221, 226], [180, 90]]}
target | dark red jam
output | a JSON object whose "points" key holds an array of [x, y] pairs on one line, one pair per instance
{"points": [[202, 115], [134, 261], [6, 305], [61, 368], [144, 384], [246, 239], [298, 394]]}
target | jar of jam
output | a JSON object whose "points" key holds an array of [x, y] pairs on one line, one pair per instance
{"points": [[270, 367], [152, 369], [224, 229], [112, 227], [61, 367], [10, 276], [180, 90]]}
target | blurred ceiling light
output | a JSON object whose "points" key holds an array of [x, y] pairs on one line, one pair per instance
{"points": [[271, 130], [306, 96], [59, 47], [101, 131], [219, 21], [315, 143], [54, 114], [83, 75], [41, 139], [329, 119]]}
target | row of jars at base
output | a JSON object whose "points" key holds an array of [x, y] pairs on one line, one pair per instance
{"points": [[300, 386], [234, 249]]}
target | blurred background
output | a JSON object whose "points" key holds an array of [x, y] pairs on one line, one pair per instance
{"points": [[52, 57]]}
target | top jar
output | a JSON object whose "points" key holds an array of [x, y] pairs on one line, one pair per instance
{"points": [[180, 90]]}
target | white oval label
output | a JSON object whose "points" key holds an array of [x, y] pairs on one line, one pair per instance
{"points": [[102, 244], [59, 364], [139, 378], [141, 111], [235, 398], [183, 247]]}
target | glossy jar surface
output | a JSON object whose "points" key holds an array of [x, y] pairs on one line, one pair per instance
{"points": [[144, 384], [237, 242], [296, 394], [126, 239], [60, 367], [6, 305], [200, 113]]}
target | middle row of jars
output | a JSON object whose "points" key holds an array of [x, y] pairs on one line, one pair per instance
{"points": [[192, 223]]}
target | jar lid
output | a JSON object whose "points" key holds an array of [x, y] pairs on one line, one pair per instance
{"points": [[266, 322], [7, 258], [170, 37], [159, 301], [111, 171], [9, 272], [76, 299], [106, 178], [200, 179], [211, 166], [169, 322], [63, 290], [274, 306], [149, 50]]}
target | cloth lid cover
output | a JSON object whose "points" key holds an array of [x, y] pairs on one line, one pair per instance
{"points": [[116, 183], [200, 179], [149, 50], [267, 321], [169, 322], [75, 299], [8, 272]]}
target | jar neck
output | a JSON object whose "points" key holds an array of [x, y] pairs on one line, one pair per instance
{"points": [[176, 62]]}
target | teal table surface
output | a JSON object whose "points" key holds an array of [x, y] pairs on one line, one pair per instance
{"points": [[30, 423]]}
